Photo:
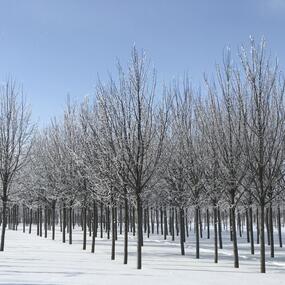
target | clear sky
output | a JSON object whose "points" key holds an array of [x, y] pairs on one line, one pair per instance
{"points": [[57, 47]]}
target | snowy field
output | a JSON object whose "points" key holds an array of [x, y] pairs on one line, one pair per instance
{"points": [[29, 259]]}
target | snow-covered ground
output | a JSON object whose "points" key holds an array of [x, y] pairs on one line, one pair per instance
{"points": [[30, 259]]}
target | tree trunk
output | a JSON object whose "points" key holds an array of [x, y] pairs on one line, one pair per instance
{"points": [[126, 228], [84, 227], [173, 224], [279, 226], [216, 233], [70, 223], [53, 220], [208, 223], [41, 221], [257, 227], [63, 222], [234, 236], [271, 231], [157, 220], [148, 222], [24, 218], [46, 221], [139, 232], [251, 230], [94, 227], [220, 229], [239, 224], [267, 226], [161, 221], [121, 219], [197, 231], [4, 223], [101, 220], [247, 226], [182, 232], [186, 225], [113, 234], [262, 240], [31, 221], [165, 223], [200, 223]]}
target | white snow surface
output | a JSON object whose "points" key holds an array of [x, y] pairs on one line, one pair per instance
{"points": [[30, 259]]}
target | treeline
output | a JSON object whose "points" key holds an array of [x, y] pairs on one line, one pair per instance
{"points": [[131, 159]]}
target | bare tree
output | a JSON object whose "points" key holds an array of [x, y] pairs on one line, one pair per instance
{"points": [[261, 100], [16, 133]]}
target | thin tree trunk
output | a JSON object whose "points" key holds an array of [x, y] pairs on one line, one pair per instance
{"points": [[271, 231], [182, 232], [247, 226], [41, 221], [53, 220], [279, 226], [257, 227], [46, 221], [139, 232], [220, 229], [4, 223], [234, 236], [94, 227], [239, 224], [165, 223], [31, 221], [126, 228], [70, 223], [216, 233], [84, 227], [251, 230], [197, 231], [101, 220], [208, 223], [113, 234], [63, 222], [262, 240], [121, 219], [24, 218]]}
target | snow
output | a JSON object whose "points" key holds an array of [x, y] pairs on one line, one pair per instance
{"points": [[30, 259]]}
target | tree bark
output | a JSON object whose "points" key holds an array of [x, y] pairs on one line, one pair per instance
{"points": [[70, 223], [4, 223], [24, 218], [220, 228], [216, 233], [113, 233], [182, 232], [262, 239], [271, 230], [94, 227], [251, 230], [53, 220], [208, 223], [279, 226], [63, 222], [84, 227], [197, 231], [31, 221], [126, 228], [46, 221], [257, 227], [234, 236], [139, 232]]}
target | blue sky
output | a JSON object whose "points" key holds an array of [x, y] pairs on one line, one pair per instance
{"points": [[58, 47]]}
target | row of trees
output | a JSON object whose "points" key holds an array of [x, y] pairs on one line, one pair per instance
{"points": [[152, 155]]}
